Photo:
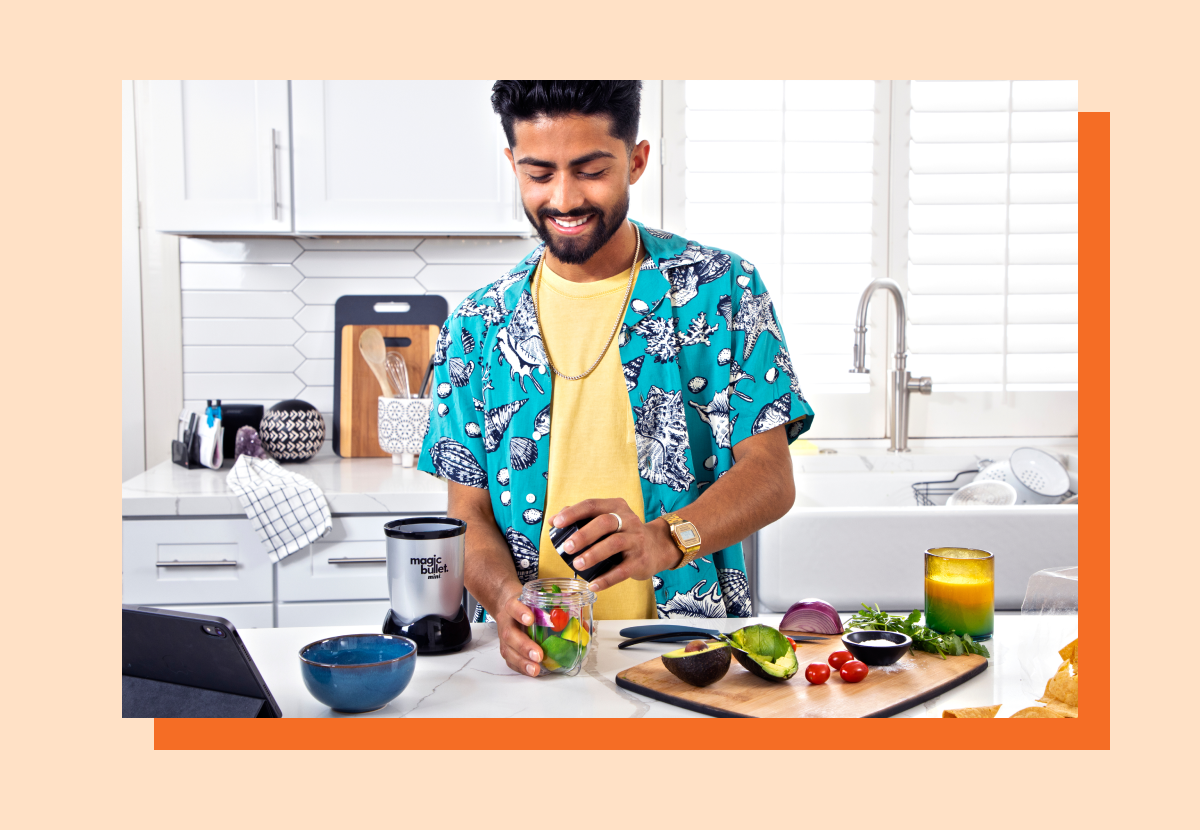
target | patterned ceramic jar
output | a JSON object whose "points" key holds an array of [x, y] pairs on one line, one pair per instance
{"points": [[292, 431], [403, 423]]}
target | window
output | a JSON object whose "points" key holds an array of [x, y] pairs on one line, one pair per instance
{"points": [[961, 191]]}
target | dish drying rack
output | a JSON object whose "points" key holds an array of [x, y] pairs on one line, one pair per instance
{"points": [[926, 491]]}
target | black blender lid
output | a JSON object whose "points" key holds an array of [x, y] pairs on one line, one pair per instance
{"points": [[424, 528]]}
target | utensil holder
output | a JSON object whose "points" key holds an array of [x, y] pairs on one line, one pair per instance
{"points": [[403, 424]]}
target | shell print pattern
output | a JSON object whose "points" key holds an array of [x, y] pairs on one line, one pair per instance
{"points": [[659, 234], [497, 421], [697, 384], [520, 344], [443, 343], [725, 309], [784, 361], [695, 603], [460, 371], [717, 412], [524, 553], [660, 428], [468, 342], [632, 370], [541, 424], [754, 317], [735, 592], [773, 414], [455, 462], [532, 516], [693, 267], [523, 452]]}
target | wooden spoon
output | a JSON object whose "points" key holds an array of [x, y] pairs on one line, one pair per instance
{"points": [[374, 351]]}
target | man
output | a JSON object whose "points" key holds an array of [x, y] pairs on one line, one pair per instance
{"points": [[614, 375]]}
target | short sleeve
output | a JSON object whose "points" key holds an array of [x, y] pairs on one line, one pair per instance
{"points": [[764, 382], [453, 447]]}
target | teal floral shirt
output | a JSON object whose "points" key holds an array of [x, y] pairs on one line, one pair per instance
{"points": [[705, 364]]}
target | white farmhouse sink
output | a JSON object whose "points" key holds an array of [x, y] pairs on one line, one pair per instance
{"points": [[856, 533]]}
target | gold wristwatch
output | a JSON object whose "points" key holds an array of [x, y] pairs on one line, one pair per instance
{"points": [[686, 537]]}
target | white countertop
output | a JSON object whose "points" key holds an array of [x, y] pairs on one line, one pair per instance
{"points": [[477, 683], [351, 485]]}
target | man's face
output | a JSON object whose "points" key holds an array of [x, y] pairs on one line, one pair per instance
{"points": [[574, 178]]}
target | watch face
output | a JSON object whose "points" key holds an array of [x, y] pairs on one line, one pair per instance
{"points": [[686, 534]]}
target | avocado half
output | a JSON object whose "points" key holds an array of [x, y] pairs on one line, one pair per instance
{"points": [[764, 651], [699, 668]]}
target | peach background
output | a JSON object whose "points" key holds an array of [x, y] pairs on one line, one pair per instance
{"points": [[71, 758]]}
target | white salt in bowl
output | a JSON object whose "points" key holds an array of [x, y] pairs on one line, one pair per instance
{"points": [[877, 655]]}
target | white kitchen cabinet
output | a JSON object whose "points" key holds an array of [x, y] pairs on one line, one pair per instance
{"points": [[217, 157], [177, 561], [403, 157], [349, 563]]}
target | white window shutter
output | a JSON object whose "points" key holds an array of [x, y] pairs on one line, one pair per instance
{"points": [[992, 235]]}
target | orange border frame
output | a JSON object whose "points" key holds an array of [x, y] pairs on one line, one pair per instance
{"points": [[1091, 731]]}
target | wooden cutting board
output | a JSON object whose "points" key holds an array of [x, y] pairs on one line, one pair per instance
{"points": [[360, 391], [740, 694]]}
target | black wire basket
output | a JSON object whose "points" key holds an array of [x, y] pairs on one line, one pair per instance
{"points": [[935, 493]]}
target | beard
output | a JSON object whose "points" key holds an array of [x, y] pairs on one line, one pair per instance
{"points": [[573, 250]]}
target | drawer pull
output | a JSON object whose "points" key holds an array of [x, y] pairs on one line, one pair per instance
{"points": [[359, 560], [206, 563]]}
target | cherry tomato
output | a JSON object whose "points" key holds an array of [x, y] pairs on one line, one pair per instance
{"points": [[816, 673], [558, 619], [838, 658], [793, 643], [853, 671]]}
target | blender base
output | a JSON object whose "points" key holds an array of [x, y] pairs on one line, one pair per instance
{"points": [[433, 634]]}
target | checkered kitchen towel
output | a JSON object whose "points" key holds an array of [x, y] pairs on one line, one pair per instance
{"points": [[288, 511]]}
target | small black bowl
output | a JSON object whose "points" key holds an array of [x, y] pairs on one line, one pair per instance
{"points": [[877, 655]]}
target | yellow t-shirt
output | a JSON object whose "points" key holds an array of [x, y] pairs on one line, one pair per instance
{"points": [[593, 453]]}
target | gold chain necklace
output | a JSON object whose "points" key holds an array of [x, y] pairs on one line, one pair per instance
{"points": [[537, 292]]}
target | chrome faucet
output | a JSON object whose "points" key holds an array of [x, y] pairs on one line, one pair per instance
{"points": [[903, 383]]}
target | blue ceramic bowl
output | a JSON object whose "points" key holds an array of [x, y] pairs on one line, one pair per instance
{"points": [[358, 672]]}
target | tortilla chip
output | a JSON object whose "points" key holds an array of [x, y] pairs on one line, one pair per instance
{"points": [[1063, 686], [972, 712], [1070, 652], [1037, 712], [1062, 708]]}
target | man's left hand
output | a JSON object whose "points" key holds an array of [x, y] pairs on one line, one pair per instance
{"points": [[648, 546]]}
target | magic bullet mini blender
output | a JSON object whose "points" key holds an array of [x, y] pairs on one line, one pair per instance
{"points": [[425, 583]]}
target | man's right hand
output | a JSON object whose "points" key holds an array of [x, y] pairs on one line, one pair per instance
{"points": [[520, 652], [491, 577]]}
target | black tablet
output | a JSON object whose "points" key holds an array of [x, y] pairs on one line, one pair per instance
{"points": [[180, 665]]}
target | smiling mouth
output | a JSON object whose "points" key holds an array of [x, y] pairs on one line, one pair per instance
{"points": [[567, 223]]}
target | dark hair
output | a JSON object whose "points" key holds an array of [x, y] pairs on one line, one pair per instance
{"points": [[621, 101]]}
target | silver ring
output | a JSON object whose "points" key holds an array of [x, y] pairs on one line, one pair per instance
{"points": [[618, 518]]}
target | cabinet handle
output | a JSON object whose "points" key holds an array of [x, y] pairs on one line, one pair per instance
{"points": [[516, 199], [204, 563], [276, 203], [359, 560]]}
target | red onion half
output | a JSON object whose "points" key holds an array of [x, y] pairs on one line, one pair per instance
{"points": [[813, 616]]}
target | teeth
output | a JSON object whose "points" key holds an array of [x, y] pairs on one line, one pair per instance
{"points": [[567, 224]]}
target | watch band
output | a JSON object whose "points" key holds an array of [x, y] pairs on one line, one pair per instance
{"points": [[690, 552]]}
